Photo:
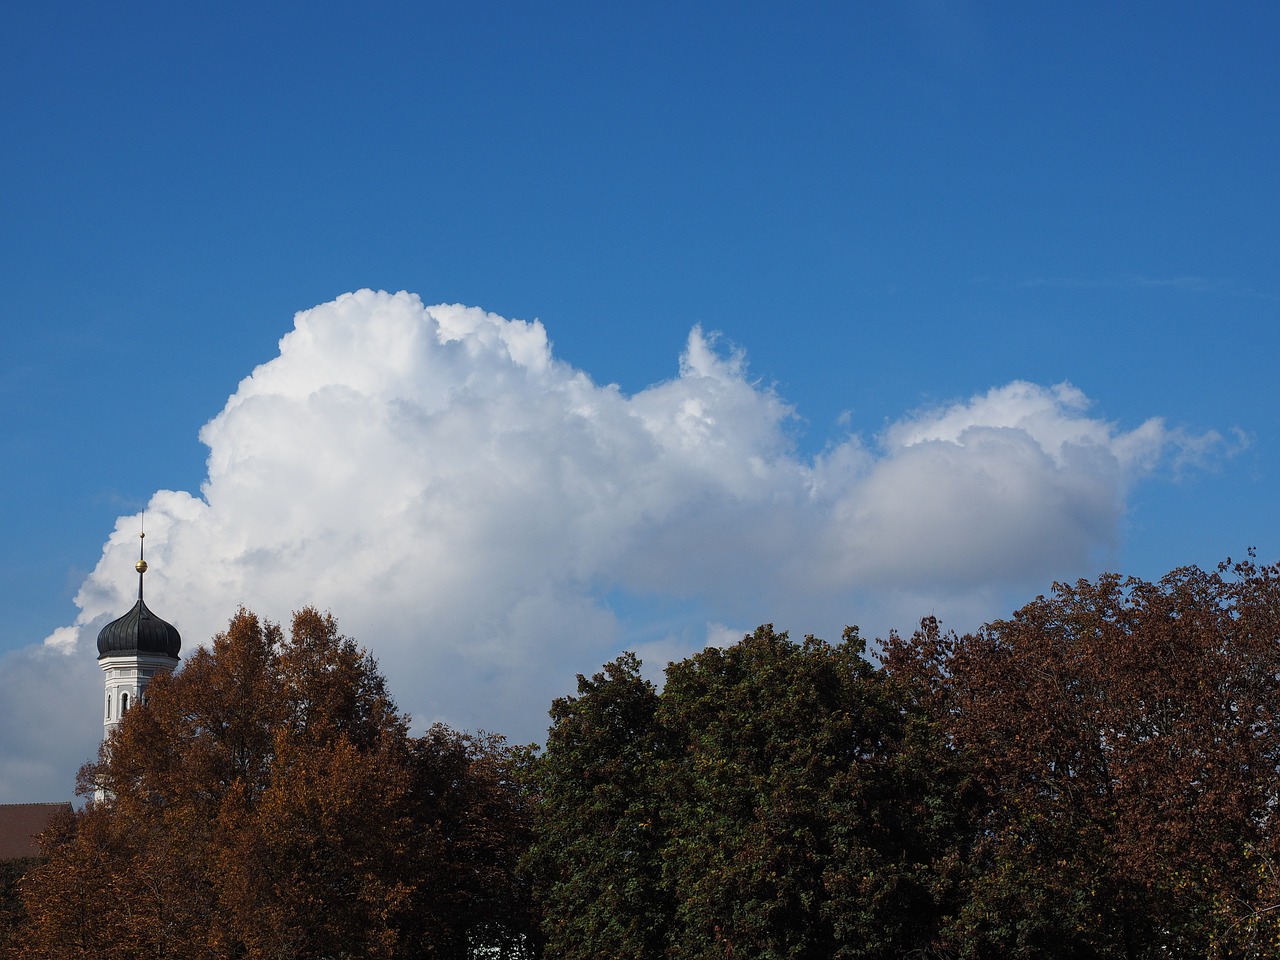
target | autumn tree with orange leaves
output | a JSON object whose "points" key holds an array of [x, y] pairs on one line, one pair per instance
{"points": [[1124, 738], [267, 801]]}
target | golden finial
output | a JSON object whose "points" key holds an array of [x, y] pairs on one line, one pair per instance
{"points": [[141, 565]]}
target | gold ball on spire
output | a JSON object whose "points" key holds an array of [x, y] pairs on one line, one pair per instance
{"points": [[141, 566]]}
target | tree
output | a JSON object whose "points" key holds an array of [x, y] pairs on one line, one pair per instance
{"points": [[1125, 746], [267, 802], [791, 831], [1095, 776], [751, 809], [473, 825], [599, 821], [11, 910]]}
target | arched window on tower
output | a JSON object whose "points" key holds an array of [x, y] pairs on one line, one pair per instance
{"points": [[108, 706], [124, 703]]}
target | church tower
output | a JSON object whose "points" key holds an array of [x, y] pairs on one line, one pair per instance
{"points": [[132, 650]]}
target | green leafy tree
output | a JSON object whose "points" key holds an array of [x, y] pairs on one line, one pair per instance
{"points": [[791, 830], [600, 821], [752, 809], [764, 727]]}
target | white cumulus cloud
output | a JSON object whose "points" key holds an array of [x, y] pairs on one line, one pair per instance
{"points": [[489, 521]]}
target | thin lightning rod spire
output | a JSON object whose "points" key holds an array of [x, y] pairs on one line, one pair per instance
{"points": [[141, 565]]}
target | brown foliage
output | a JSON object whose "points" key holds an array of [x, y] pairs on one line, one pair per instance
{"points": [[267, 802], [1124, 737]]}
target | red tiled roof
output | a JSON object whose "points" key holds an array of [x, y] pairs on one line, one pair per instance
{"points": [[21, 823]]}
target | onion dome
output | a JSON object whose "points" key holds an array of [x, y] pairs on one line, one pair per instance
{"points": [[139, 630]]}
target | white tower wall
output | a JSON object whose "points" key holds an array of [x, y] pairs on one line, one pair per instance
{"points": [[126, 678]]}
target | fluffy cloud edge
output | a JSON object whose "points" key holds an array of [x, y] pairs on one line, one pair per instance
{"points": [[467, 503]]}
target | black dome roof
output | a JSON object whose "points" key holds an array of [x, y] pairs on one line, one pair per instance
{"points": [[139, 631]]}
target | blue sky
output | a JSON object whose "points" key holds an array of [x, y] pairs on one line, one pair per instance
{"points": [[889, 208]]}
